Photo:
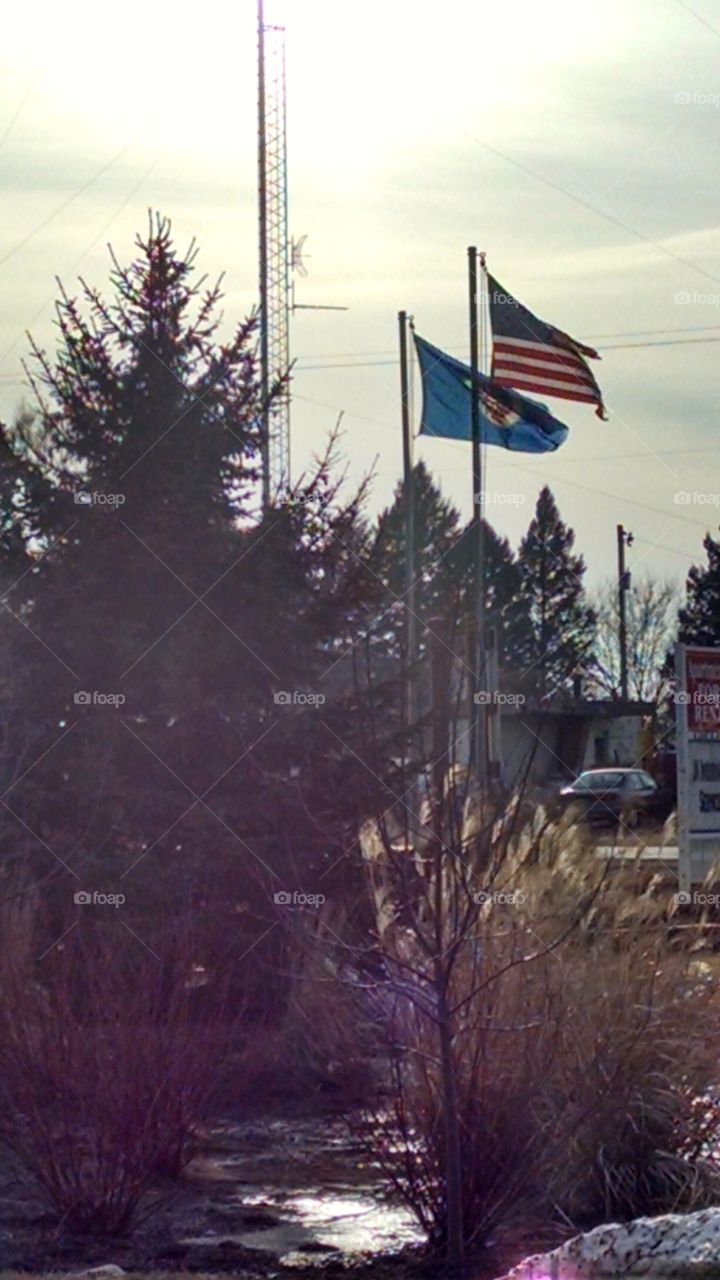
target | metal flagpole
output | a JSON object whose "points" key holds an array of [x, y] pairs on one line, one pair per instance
{"points": [[479, 746], [490, 656], [409, 511]]}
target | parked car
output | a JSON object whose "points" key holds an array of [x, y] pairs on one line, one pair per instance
{"points": [[609, 796]]}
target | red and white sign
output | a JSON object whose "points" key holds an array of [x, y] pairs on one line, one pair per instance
{"points": [[697, 708], [700, 690]]}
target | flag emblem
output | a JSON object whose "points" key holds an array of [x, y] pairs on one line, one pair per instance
{"points": [[530, 355]]}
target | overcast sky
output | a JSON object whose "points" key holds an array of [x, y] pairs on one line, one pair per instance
{"points": [[576, 144]]}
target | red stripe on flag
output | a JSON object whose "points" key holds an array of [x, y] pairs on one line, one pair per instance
{"points": [[553, 373], [540, 377], [535, 353], [541, 388], [533, 366], [561, 373]]}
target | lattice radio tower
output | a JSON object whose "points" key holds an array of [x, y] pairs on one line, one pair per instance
{"points": [[275, 254], [280, 257]]}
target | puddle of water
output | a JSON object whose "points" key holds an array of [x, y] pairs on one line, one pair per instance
{"points": [[322, 1196], [324, 1222], [356, 1224]]}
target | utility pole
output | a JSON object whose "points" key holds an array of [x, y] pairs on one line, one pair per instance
{"points": [[624, 539]]}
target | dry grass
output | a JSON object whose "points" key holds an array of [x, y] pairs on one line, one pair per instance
{"points": [[581, 1043], [317, 1046]]}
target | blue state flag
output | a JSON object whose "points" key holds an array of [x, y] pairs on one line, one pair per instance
{"points": [[507, 419]]}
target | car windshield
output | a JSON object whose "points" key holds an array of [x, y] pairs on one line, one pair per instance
{"points": [[599, 781]]}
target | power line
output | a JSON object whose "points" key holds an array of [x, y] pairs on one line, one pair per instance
{"points": [[574, 484], [588, 337], [59, 208], [16, 116], [586, 204], [640, 333], [631, 457], [662, 342], [617, 346], [619, 457], [618, 497], [374, 364], [673, 551]]}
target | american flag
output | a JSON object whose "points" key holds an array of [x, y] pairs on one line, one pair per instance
{"points": [[530, 355]]}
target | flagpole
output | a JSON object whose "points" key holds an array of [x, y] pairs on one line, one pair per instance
{"points": [[490, 656], [478, 538], [409, 512]]}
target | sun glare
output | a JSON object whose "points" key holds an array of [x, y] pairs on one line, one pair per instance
{"points": [[357, 74]]}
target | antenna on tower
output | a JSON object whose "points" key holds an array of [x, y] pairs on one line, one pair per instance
{"points": [[297, 266], [297, 255], [274, 255]]}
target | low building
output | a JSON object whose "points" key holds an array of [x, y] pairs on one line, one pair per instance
{"points": [[531, 739], [557, 741]]}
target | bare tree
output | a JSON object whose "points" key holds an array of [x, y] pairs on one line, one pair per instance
{"points": [[651, 618]]}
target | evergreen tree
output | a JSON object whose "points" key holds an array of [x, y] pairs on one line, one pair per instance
{"points": [[699, 619], [561, 625], [444, 573], [437, 528], [136, 567], [504, 607]]}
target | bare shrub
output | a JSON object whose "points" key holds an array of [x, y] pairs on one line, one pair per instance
{"points": [[104, 1068], [497, 1063]]}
